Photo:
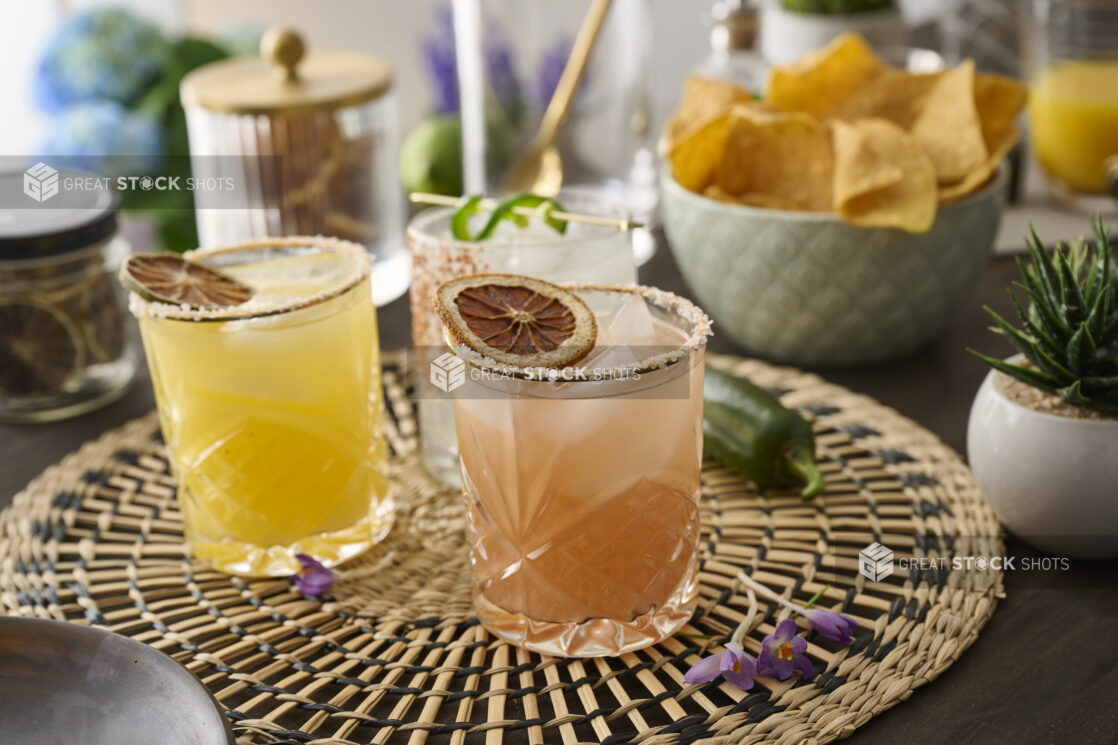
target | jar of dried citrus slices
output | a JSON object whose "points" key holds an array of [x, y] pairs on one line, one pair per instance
{"points": [[66, 344]]}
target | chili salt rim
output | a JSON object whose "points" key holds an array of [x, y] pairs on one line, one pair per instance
{"points": [[681, 306], [363, 263]]}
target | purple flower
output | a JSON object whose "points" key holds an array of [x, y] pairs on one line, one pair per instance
{"points": [[313, 577], [733, 664], [782, 653], [500, 69], [442, 66], [552, 62], [834, 626]]}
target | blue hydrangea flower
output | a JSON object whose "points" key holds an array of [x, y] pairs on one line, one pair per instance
{"points": [[99, 53], [105, 138]]}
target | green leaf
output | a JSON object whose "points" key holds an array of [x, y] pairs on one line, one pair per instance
{"points": [[1075, 307], [178, 231], [1097, 317], [1057, 326], [1026, 346], [1034, 328], [1024, 374], [1081, 349], [1045, 271]]}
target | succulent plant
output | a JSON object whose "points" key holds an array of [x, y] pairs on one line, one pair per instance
{"points": [[835, 7], [1069, 332]]}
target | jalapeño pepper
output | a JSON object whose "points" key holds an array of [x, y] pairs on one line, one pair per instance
{"points": [[747, 429]]}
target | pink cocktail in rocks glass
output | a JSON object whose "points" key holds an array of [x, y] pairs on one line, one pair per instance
{"points": [[582, 494]]}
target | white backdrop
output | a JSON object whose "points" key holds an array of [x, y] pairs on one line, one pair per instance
{"points": [[389, 28]]}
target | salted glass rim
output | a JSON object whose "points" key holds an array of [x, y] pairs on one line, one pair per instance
{"points": [[361, 268], [699, 333]]}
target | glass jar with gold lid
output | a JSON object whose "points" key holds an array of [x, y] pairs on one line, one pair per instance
{"points": [[307, 142]]}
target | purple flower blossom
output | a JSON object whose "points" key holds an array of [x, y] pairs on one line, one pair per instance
{"points": [[500, 69], [313, 577], [782, 653], [833, 626], [442, 66], [552, 62], [733, 664]]}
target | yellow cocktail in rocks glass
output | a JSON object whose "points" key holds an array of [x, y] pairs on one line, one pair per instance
{"points": [[581, 478], [271, 408]]}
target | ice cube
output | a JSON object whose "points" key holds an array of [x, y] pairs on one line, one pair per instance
{"points": [[632, 324], [625, 336]]}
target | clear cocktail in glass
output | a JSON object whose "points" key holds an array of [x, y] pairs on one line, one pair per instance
{"points": [[271, 410], [582, 492], [584, 253]]}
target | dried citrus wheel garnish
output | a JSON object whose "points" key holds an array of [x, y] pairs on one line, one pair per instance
{"points": [[40, 349], [515, 320], [169, 278]]}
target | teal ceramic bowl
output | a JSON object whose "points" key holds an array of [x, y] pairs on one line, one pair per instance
{"points": [[809, 289]]}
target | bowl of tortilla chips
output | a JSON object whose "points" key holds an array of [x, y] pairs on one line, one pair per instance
{"points": [[842, 219]]}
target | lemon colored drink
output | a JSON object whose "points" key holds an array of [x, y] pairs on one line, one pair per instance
{"points": [[271, 410], [582, 495], [1073, 122]]}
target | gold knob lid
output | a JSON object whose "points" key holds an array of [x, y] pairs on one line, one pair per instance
{"points": [[286, 79], [285, 48]]}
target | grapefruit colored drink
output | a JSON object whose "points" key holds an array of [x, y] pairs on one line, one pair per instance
{"points": [[582, 494]]}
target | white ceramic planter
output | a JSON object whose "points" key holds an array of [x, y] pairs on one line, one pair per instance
{"points": [[786, 36], [1051, 480]]}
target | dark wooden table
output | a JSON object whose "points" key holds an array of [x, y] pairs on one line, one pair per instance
{"points": [[1044, 670]]}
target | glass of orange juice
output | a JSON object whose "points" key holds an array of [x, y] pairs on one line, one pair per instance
{"points": [[1073, 101], [271, 407], [582, 483]]}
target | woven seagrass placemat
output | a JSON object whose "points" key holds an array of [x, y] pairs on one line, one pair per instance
{"points": [[397, 657]]}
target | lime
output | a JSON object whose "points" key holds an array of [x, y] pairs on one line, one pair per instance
{"points": [[516, 320], [431, 156], [169, 278]]}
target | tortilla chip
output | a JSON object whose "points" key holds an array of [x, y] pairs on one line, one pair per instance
{"points": [[979, 176], [697, 153], [783, 156], [999, 101], [817, 83], [948, 126], [703, 99], [866, 192], [752, 199], [895, 95]]}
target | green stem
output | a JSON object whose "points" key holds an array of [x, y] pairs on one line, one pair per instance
{"points": [[801, 463], [812, 600]]}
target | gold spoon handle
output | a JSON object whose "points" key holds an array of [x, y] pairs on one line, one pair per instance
{"points": [[623, 224], [560, 105]]}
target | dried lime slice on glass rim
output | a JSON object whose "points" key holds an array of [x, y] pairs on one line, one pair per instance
{"points": [[515, 320], [169, 278]]}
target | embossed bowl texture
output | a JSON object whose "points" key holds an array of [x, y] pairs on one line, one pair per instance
{"points": [[810, 289]]}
